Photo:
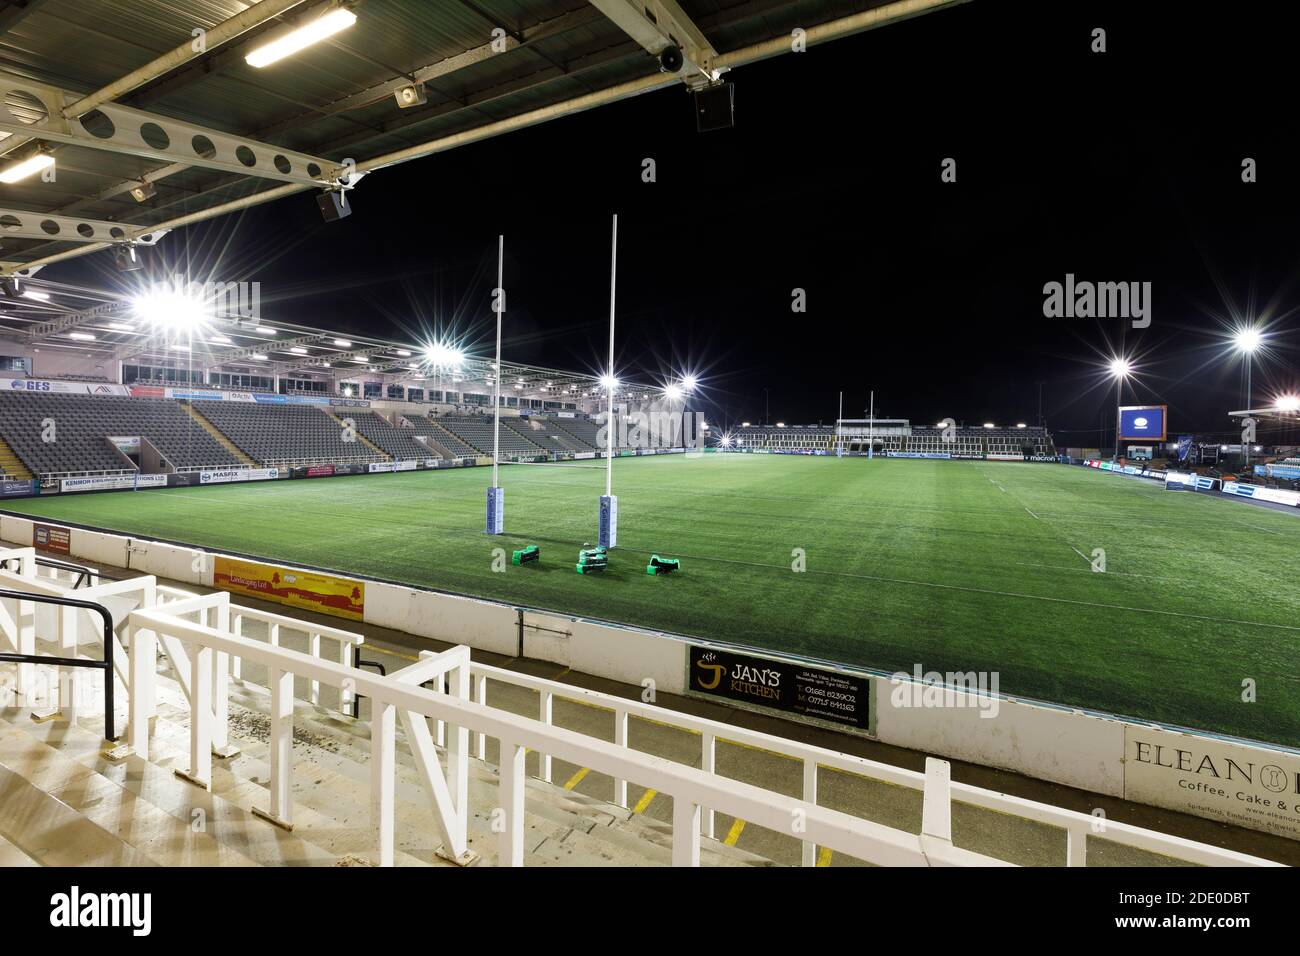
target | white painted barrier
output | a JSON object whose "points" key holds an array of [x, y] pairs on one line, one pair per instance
{"points": [[1062, 746], [169, 561], [110, 549], [617, 653], [479, 624], [18, 531]]}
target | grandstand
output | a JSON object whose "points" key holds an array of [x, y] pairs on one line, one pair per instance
{"points": [[475, 431], [395, 441], [445, 439], [286, 434], [898, 437], [582, 431], [65, 435]]}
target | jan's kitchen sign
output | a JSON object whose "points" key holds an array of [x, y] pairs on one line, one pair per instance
{"points": [[1246, 786], [793, 688]]}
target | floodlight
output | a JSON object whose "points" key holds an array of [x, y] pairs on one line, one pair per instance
{"points": [[609, 381], [340, 18], [343, 342], [1120, 367], [169, 307], [780, 424], [298, 350], [744, 425], [443, 356], [689, 382], [1287, 403], [1020, 424], [673, 392], [143, 192], [38, 296], [264, 330], [1247, 339], [989, 425], [26, 168], [258, 357], [81, 336]]}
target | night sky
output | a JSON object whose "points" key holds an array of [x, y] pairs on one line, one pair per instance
{"points": [[1119, 166]]}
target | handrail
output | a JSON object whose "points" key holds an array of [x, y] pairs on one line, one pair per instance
{"points": [[83, 572], [110, 732], [1077, 825]]}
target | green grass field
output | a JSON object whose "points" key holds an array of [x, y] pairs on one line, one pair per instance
{"points": [[953, 565]]}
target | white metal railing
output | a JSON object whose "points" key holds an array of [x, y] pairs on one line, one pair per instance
{"points": [[205, 640], [691, 789], [1077, 826]]}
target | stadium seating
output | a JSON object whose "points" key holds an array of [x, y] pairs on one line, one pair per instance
{"points": [[401, 443], [583, 431], [476, 431], [284, 434], [82, 425], [541, 432], [431, 429]]}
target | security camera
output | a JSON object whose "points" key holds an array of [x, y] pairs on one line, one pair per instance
{"points": [[671, 59]]}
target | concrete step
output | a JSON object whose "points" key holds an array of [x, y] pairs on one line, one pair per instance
{"points": [[10, 855]]}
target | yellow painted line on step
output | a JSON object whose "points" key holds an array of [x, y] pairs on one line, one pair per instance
{"points": [[824, 857], [645, 801], [734, 833], [576, 778]]}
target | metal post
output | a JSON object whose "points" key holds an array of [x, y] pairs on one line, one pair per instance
{"points": [[871, 427], [496, 504], [607, 520]]}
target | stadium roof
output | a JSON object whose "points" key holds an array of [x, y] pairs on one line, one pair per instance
{"points": [[109, 327], [157, 98]]}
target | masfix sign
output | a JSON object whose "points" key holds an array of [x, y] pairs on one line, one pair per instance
{"points": [[237, 474], [779, 685], [342, 597], [1218, 779]]}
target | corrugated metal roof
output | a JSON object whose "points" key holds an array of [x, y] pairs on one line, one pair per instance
{"points": [[324, 100]]}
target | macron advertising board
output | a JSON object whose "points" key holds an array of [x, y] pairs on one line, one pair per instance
{"points": [[1142, 422]]}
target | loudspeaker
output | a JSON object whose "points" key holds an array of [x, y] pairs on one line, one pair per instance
{"points": [[412, 95], [715, 107], [334, 205]]}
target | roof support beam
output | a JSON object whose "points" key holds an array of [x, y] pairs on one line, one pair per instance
{"points": [[121, 129], [72, 320], [20, 224], [659, 24], [244, 353]]}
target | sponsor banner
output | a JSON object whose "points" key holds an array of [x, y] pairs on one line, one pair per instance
{"points": [[1179, 479], [1275, 495], [342, 597], [222, 476], [585, 454], [1282, 471], [917, 454], [409, 464], [1218, 779], [198, 394], [319, 471], [483, 460], [112, 483], [49, 537], [148, 391], [964, 457], [186, 479], [1205, 483], [13, 489], [351, 402], [1139, 422], [779, 685], [997, 456], [566, 415], [1054, 458], [126, 444], [47, 386]]}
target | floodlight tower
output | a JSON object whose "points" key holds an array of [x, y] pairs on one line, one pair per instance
{"points": [[1246, 341], [1119, 370], [607, 523], [496, 495]]}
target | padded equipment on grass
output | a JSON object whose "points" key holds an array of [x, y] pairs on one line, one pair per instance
{"points": [[592, 559], [527, 555], [660, 565]]}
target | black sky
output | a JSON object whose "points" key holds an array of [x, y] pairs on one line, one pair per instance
{"points": [[1119, 166]]}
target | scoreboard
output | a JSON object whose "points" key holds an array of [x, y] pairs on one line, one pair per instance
{"points": [[1142, 422]]}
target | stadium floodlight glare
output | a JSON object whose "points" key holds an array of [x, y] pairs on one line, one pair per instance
{"points": [[216, 340], [81, 336], [609, 381], [258, 357], [169, 307], [1020, 424], [673, 392], [989, 425], [264, 330], [780, 424], [38, 296], [442, 355], [1247, 339], [120, 327], [689, 382], [26, 168], [298, 350], [1119, 367], [1287, 403], [343, 343], [340, 18], [744, 425]]}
